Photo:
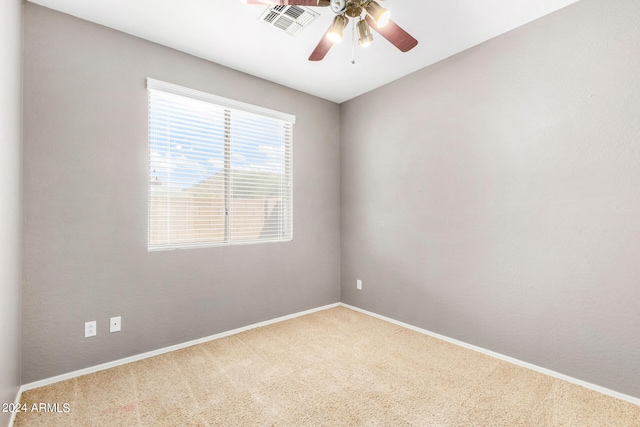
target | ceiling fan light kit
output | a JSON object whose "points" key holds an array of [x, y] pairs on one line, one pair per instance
{"points": [[364, 33], [335, 31], [378, 13], [375, 16]]}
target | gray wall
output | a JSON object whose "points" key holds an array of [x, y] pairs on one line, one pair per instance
{"points": [[85, 184], [11, 199], [495, 197]]}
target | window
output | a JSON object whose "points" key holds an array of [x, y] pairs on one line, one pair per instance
{"points": [[219, 170]]}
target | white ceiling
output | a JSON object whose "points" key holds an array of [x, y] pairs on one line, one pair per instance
{"points": [[228, 32]]}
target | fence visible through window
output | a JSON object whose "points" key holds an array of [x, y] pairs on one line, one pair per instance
{"points": [[218, 174]]}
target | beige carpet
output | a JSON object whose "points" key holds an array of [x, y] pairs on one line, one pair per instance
{"points": [[337, 367]]}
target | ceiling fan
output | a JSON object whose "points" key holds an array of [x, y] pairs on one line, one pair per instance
{"points": [[375, 16]]}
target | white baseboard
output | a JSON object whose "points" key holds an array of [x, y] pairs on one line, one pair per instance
{"points": [[146, 355], [545, 371], [14, 413]]}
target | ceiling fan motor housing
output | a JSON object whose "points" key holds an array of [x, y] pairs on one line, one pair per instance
{"points": [[354, 9]]}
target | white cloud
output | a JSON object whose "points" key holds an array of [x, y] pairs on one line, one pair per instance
{"points": [[160, 164]]}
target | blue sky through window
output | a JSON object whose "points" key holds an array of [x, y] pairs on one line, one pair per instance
{"points": [[188, 136]]}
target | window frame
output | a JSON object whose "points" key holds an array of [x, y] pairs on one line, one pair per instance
{"points": [[230, 106]]}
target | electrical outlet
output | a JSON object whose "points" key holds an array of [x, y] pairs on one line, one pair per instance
{"points": [[90, 329], [359, 284], [114, 324]]}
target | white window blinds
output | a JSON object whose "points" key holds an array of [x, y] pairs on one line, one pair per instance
{"points": [[219, 170]]}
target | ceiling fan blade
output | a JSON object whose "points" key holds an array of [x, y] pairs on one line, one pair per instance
{"points": [[325, 45], [288, 2], [396, 35]]}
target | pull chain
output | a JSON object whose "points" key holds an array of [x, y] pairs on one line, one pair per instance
{"points": [[353, 42]]}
